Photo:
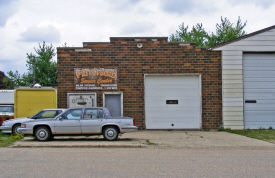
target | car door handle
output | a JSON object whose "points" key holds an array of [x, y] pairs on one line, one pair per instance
{"points": [[250, 101]]}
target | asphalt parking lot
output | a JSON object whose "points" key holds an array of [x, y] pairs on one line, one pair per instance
{"points": [[152, 139]]}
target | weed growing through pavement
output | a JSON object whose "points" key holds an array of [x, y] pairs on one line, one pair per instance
{"points": [[149, 143]]}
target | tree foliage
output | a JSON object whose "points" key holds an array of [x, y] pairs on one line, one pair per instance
{"points": [[225, 31], [16, 79], [45, 66], [2, 84], [44, 69]]}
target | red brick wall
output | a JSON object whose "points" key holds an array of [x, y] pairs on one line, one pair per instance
{"points": [[155, 57]]}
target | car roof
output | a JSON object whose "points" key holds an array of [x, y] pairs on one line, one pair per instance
{"points": [[58, 109]]}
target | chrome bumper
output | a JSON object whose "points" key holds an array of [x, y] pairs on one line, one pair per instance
{"points": [[128, 129], [5, 129]]}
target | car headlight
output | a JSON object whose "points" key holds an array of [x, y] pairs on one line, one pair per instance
{"points": [[23, 125]]}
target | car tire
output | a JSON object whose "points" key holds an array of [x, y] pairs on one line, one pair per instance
{"points": [[43, 134], [15, 129], [110, 133]]}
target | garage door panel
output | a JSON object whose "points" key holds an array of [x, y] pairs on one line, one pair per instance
{"points": [[171, 81], [186, 114], [263, 116], [266, 79], [261, 107], [259, 68], [259, 85], [155, 102], [257, 125], [253, 63], [259, 74], [172, 91], [259, 96], [172, 124], [175, 113], [255, 85]]}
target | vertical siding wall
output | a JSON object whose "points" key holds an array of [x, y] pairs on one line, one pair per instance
{"points": [[232, 74]]}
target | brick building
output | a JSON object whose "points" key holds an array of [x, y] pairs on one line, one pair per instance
{"points": [[163, 85]]}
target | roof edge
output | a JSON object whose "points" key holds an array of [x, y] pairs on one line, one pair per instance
{"points": [[243, 37]]}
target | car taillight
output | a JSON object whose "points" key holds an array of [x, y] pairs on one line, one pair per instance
{"points": [[134, 124], [11, 117]]}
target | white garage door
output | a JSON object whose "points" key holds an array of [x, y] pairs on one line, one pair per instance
{"points": [[259, 90], [172, 102]]}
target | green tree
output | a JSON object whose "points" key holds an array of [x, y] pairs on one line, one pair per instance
{"points": [[44, 65], [196, 34], [225, 31], [2, 83], [15, 79], [44, 69]]}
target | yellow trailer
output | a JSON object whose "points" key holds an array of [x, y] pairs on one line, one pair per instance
{"points": [[30, 100]]}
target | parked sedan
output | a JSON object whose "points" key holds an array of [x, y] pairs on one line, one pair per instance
{"points": [[12, 125], [79, 121]]}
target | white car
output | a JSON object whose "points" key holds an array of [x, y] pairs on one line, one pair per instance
{"points": [[80, 121], [12, 125]]}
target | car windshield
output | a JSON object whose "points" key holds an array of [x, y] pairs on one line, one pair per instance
{"points": [[46, 114], [6, 109]]}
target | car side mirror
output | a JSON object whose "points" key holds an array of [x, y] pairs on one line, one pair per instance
{"points": [[60, 118]]}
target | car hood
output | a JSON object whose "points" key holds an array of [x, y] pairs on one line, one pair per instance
{"points": [[22, 119], [42, 120]]}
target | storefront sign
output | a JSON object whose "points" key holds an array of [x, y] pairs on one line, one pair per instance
{"points": [[95, 79]]}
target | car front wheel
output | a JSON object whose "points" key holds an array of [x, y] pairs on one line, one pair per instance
{"points": [[110, 133], [42, 134], [15, 129]]}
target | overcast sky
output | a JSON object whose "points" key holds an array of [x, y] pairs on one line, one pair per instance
{"points": [[25, 23]]}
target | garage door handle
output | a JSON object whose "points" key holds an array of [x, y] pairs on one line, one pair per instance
{"points": [[250, 101]]}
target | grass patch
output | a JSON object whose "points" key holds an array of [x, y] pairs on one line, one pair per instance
{"points": [[7, 139], [149, 143], [261, 134]]}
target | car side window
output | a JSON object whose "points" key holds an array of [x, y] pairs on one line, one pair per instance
{"points": [[72, 114], [90, 114], [58, 112], [100, 113], [47, 114]]}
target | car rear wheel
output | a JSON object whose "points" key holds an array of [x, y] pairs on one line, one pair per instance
{"points": [[110, 133], [15, 129], [43, 134]]}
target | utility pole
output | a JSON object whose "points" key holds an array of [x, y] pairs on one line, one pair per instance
{"points": [[33, 68]]}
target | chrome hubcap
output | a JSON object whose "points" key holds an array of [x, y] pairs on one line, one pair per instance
{"points": [[110, 133], [42, 134]]}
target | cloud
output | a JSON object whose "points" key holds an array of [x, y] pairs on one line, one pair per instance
{"points": [[39, 34], [186, 7], [263, 3], [123, 4], [136, 28], [7, 9]]}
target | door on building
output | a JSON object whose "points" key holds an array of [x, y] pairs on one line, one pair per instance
{"points": [[113, 101], [172, 102], [259, 90]]}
